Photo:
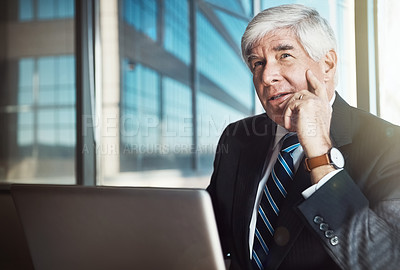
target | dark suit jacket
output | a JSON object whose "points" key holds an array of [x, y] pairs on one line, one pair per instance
{"points": [[360, 205]]}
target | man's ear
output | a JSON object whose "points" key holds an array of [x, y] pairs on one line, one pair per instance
{"points": [[330, 63]]}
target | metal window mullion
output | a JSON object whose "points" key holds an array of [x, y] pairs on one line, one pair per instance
{"points": [[98, 84], [378, 100], [85, 143], [256, 6], [193, 81], [361, 24], [365, 63], [160, 39]]}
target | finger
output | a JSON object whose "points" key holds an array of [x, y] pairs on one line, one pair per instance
{"points": [[314, 85], [287, 120], [289, 114]]}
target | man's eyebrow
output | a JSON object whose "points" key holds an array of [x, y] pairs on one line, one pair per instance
{"points": [[277, 48], [283, 47], [252, 56]]}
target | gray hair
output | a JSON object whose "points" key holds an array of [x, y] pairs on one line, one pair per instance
{"points": [[313, 32]]}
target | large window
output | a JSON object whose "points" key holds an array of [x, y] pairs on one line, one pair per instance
{"points": [[220, 65], [29, 10], [48, 85], [142, 14], [180, 86], [388, 39], [176, 29], [38, 92]]}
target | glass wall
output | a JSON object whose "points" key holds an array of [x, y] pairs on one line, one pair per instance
{"points": [[142, 15], [176, 27], [388, 38], [30, 10], [219, 63], [52, 123], [182, 81], [239, 7], [37, 107]]}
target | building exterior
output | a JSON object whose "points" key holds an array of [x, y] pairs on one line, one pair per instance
{"points": [[171, 78]]}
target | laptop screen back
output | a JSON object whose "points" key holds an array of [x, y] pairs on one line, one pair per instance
{"points": [[71, 227]]}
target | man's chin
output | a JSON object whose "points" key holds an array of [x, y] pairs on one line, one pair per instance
{"points": [[278, 120]]}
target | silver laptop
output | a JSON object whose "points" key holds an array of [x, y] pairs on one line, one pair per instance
{"points": [[75, 227]]}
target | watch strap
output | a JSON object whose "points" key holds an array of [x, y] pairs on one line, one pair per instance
{"points": [[315, 162]]}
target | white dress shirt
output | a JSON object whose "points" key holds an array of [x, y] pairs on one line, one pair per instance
{"points": [[272, 157]]}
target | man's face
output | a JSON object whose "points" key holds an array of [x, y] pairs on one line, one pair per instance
{"points": [[279, 64]]}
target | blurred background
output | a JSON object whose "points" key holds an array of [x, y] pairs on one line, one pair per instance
{"points": [[137, 92]]}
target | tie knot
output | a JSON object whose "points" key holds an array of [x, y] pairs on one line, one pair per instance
{"points": [[290, 143]]}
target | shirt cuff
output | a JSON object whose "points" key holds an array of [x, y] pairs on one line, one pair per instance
{"points": [[310, 191]]}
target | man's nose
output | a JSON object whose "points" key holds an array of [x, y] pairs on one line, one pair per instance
{"points": [[271, 73]]}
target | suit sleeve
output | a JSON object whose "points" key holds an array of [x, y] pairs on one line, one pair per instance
{"points": [[359, 231], [215, 196]]}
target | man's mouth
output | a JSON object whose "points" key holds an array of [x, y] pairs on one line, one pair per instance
{"points": [[279, 96]]}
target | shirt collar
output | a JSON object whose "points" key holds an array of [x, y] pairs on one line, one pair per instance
{"points": [[281, 131], [333, 99], [279, 134]]}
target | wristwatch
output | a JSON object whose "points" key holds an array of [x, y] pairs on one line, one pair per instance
{"points": [[333, 157]]}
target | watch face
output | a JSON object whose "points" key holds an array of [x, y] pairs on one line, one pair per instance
{"points": [[337, 158]]}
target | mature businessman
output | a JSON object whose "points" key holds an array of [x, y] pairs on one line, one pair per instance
{"points": [[313, 183]]}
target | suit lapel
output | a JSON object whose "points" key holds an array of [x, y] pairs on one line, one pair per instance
{"points": [[289, 225], [341, 124], [251, 163]]}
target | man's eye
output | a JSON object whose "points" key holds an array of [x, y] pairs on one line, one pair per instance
{"points": [[285, 55], [258, 63]]}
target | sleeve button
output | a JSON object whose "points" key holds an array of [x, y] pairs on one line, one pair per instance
{"points": [[334, 240], [318, 219], [329, 234], [323, 227]]}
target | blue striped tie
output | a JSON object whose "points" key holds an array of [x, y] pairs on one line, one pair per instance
{"points": [[275, 191]]}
